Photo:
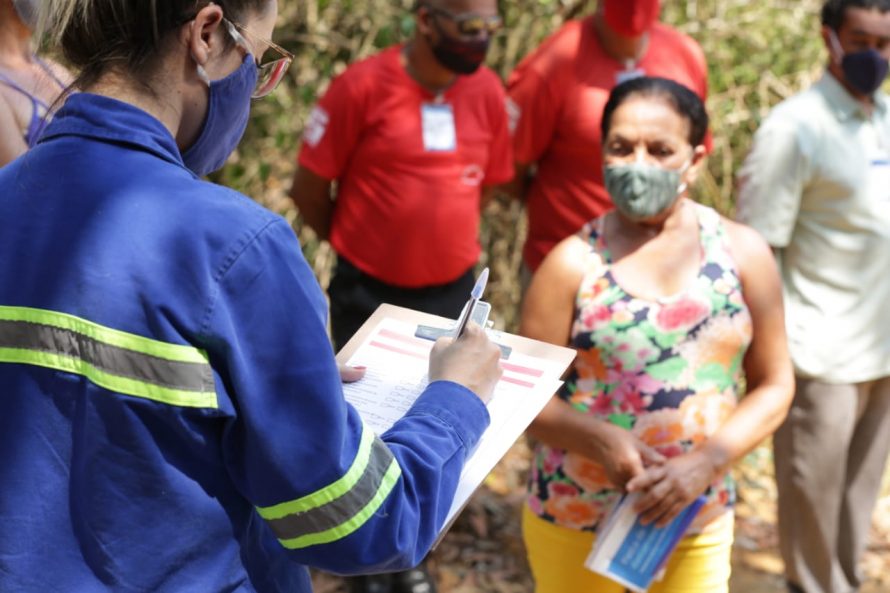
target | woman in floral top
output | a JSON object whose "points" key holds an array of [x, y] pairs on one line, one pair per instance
{"points": [[671, 308]]}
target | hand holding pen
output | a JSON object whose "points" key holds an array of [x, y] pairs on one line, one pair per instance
{"points": [[473, 360]]}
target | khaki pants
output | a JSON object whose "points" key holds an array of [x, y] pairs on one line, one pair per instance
{"points": [[830, 455]]}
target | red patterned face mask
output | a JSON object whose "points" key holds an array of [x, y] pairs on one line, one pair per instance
{"points": [[631, 18]]}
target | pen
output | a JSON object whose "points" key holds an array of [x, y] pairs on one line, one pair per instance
{"points": [[475, 295]]}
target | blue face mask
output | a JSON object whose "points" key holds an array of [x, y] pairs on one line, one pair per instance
{"points": [[865, 70], [227, 113]]}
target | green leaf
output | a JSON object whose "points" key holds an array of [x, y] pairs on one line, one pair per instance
{"points": [[712, 375], [668, 370], [625, 421]]}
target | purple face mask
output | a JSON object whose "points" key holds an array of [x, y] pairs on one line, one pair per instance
{"points": [[865, 70], [226, 119]]}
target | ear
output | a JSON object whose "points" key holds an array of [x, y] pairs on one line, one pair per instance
{"points": [[698, 155], [422, 20], [202, 33], [830, 45], [699, 158]]}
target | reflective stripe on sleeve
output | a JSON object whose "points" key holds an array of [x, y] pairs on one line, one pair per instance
{"points": [[342, 507], [125, 363]]}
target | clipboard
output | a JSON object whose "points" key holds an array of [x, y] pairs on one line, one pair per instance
{"points": [[521, 344], [533, 372]]}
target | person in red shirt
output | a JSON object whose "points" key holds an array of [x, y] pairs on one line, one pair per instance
{"points": [[414, 137], [557, 95]]}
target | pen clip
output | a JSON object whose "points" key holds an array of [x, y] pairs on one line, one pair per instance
{"points": [[464, 318]]}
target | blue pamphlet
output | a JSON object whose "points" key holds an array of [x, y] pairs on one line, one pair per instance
{"points": [[633, 554]]}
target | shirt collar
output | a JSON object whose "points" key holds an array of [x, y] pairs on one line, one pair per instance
{"points": [[844, 105], [104, 118]]}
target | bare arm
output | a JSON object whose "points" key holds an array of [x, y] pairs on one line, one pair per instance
{"points": [[768, 370], [770, 379], [12, 144], [312, 195], [547, 314], [549, 304]]}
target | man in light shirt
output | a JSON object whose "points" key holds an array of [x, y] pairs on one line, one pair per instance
{"points": [[817, 186]]}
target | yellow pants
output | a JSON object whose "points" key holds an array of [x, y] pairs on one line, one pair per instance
{"points": [[700, 564]]}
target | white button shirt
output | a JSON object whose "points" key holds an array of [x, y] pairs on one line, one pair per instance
{"points": [[817, 186]]}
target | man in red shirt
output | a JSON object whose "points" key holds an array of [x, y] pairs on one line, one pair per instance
{"points": [[414, 137], [557, 95]]}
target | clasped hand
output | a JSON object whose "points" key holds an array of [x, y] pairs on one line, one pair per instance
{"points": [[666, 486], [622, 454], [669, 487]]}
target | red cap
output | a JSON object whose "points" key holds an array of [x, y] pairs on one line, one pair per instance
{"points": [[631, 18]]}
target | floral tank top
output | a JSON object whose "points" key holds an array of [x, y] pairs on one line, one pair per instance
{"points": [[668, 370]]}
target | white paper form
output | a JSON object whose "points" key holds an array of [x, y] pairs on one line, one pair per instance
{"points": [[397, 364]]}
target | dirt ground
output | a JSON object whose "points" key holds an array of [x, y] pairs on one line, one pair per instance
{"points": [[483, 552]]}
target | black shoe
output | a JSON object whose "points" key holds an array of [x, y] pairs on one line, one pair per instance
{"points": [[416, 580], [372, 583]]}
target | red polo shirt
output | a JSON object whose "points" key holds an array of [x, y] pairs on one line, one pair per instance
{"points": [[407, 208], [558, 93]]}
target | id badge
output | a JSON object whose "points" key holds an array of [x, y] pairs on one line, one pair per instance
{"points": [[879, 179], [439, 134]]}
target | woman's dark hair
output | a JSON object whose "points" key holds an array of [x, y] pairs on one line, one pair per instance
{"points": [[834, 11], [95, 35], [684, 101]]}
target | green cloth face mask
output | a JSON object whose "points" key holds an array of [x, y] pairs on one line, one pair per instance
{"points": [[640, 190]]}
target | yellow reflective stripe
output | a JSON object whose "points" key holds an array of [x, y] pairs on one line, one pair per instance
{"points": [[106, 335], [330, 492], [101, 378], [356, 521]]}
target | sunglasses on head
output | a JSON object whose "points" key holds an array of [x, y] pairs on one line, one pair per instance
{"points": [[470, 24], [270, 70]]}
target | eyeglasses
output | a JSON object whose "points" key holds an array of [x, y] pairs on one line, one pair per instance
{"points": [[469, 24], [269, 72]]}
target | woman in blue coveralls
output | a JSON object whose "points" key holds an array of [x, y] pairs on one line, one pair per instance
{"points": [[173, 417]]}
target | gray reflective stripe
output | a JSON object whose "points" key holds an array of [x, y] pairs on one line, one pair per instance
{"points": [[120, 362], [332, 514]]}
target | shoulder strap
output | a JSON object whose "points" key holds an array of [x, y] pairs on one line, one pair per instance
{"points": [[49, 71], [4, 79], [714, 238], [598, 257]]}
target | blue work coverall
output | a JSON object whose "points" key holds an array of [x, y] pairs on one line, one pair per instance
{"points": [[172, 414]]}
